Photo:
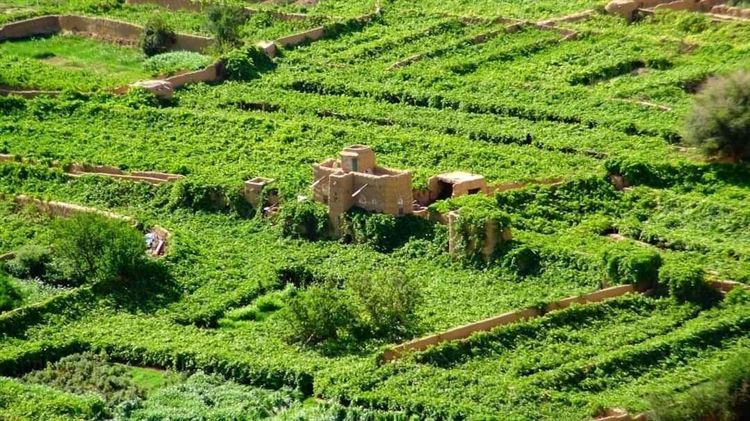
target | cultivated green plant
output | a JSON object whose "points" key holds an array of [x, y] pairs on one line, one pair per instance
{"points": [[719, 123], [319, 313]]}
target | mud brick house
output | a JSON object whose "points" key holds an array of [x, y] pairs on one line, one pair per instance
{"points": [[355, 179]]}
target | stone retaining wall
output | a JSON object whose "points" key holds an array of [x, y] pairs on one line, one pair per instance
{"points": [[43, 25], [211, 73], [301, 37], [197, 6], [66, 209], [463, 332], [151, 177], [107, 29]]}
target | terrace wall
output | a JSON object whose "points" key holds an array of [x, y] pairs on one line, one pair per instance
{"points": [[463, 332], [107, 29], [211, 73], [43, 25], [299, 38]]}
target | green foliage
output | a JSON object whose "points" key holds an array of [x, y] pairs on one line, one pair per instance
{"points": [[377, 305], [167, 64], [522, 260], [724, 396], [210, 397], [96, 248], [382, 231], [31, 261], [385, 303], [686, 283], [306, 219], [158, 36], [89, 373], [318, 313], [20, 401], [245, 64], [719, 122], [10, 296], [224, 22], [629, 264]]}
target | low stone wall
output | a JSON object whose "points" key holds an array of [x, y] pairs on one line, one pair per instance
{"points": [[26, 93], [66, 209], [43, 25], [106, 29], [197, 6], [211, 73], [187, 5], [77, 170], [301, 37], [463, 332]]}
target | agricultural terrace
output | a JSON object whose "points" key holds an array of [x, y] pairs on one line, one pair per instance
{"points": [[254, 312]]}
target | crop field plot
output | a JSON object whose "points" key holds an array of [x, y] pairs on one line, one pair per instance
{"points": [[387, 210]]}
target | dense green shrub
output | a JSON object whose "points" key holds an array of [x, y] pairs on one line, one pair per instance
{"points": [[382, 231], [210, 397], [306, 219], [96, 248], [318, 313], [21, 401], [719, 122], [628, 264], [10, 296], [158, 36], [246, 64], [31, 261], [385, 303], [522, 260], [686, 282], [224, 22], [89, 373], [725, 396], [167, 64]]}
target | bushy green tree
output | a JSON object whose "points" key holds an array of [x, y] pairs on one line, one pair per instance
{"points": [[318, 313], [385, 302], [95, 248], [224, 22], [158, 36], [719, 123]]}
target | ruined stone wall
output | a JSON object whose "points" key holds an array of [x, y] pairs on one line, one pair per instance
{"points": [[43, 25]]}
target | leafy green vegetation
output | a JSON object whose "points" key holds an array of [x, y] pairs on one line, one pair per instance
{"points": [[578, 138]]}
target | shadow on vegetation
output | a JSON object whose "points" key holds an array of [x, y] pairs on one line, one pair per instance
{"points": [[149, 290]]}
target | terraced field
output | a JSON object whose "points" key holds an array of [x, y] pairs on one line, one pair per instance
{"points": [[577, 127]]}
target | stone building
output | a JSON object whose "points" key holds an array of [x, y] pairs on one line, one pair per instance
{"points": [[452, 184], [355, 179]]}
